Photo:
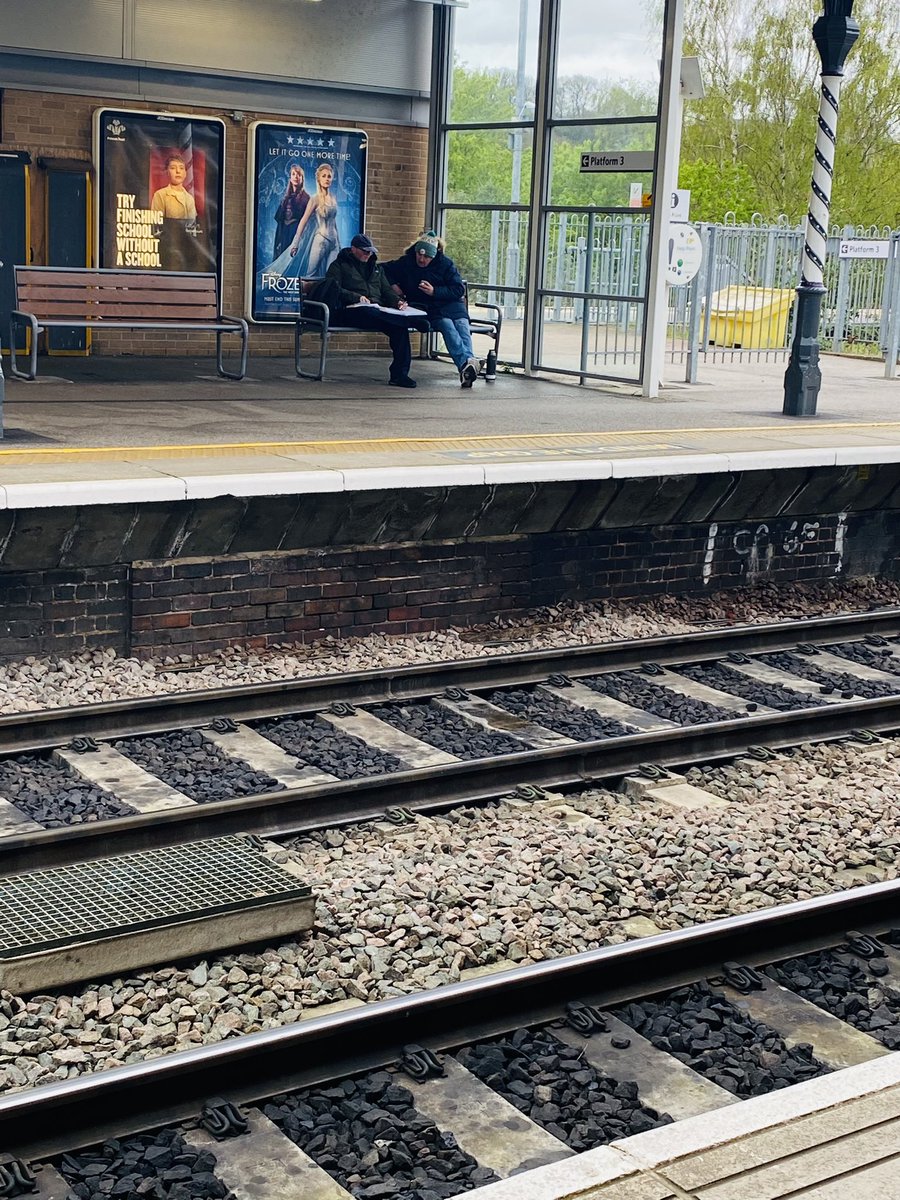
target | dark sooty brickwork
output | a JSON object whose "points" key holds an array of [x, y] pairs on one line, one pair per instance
{"points": [[202, 575]]}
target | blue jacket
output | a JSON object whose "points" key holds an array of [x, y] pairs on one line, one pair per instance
{"points": [[441, 273]]}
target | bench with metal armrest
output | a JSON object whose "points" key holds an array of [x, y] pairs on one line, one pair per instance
{"points": [[316, 319], [113, 298]]}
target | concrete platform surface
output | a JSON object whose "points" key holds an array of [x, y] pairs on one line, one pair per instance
{"points": [[127, 429], [832, 1138]]}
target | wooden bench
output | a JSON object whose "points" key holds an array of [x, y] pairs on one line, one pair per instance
{"points": [[316, 319], [110, 298]]}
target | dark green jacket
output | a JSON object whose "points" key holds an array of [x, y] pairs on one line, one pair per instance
{"points": [[356, 279]]}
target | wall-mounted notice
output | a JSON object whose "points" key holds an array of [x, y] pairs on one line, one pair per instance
{"points": [[160, 179], [306, 199]]}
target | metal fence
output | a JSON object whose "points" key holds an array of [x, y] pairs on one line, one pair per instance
{"points": [[739, 306]]}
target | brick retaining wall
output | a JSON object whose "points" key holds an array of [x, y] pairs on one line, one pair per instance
{"points": [[200, 605]]}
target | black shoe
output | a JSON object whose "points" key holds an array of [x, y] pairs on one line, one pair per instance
{"points": [[403, 381]]}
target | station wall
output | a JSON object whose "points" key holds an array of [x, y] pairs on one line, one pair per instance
{"points": [[199, 576], [349, 63], [55, 125]]}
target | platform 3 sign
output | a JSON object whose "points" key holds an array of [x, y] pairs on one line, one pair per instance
{"points": [[160, 179], [617, 160], [306, 200]]}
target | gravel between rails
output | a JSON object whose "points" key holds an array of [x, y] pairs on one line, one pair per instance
{"points": [[37, 683], [406, 908]]}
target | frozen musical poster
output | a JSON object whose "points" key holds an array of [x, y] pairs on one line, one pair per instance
{"points": [[160, 178], [306, 200]]}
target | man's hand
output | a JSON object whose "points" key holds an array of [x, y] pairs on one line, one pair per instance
{"points": [[426, 287], [364, 300], [402, 304]]}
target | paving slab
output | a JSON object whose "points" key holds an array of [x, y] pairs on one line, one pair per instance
{"points": [[607, 706], [115, 773], [375, 732], [13, 821], [262, 755], [664, 1083], [797, 1020], [492, 716], [484, 1124], [265, 1164]]}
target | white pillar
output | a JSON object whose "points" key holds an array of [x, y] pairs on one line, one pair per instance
{"points": [[666, 182]]}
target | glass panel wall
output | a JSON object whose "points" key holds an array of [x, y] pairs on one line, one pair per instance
{"points": [[583, 233], [608, 60]]}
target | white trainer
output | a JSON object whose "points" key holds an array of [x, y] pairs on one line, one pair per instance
{"points": [[469, 373]]}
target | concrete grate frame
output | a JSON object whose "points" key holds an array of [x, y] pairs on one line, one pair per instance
{"points": [[134, 893]]}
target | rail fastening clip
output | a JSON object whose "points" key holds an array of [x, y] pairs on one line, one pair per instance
{"points": [[584, 1018], [223, 1119], [16, 1179], [421, 1064]]}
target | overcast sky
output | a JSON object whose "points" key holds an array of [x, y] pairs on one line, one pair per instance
{"points": [[598, 37]]}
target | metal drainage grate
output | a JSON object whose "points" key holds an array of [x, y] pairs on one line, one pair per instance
{"points": [[44, 910]]}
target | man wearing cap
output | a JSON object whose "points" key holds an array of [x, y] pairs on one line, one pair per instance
{"points": [[427, 278], [363, 287]]}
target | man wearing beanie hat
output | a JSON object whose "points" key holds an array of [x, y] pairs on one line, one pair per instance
{"points": [[427, 278], [364, 287]]}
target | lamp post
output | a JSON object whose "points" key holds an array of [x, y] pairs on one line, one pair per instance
{"points": [[834, 34]]}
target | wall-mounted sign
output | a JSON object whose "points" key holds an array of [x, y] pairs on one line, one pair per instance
{"points": [[685, 254], [306, 200], [160, 179], [864, 248], [617, 160], [680, 205]]}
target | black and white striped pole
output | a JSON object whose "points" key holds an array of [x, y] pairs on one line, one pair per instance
{"points": [[834, 33]]}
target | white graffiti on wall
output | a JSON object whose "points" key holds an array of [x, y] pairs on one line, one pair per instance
{"points": [[757, 546]]}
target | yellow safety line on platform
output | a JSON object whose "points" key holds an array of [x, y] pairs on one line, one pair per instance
{"points": [[363, 446]]}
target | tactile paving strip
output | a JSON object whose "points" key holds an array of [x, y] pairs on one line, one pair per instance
{"points": [[44, 910]]}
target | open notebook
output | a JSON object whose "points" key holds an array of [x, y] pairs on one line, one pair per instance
{"points": [[409, 311]]}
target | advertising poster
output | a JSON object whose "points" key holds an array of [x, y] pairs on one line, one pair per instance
{"points": [[160, 179], [306, 201]]}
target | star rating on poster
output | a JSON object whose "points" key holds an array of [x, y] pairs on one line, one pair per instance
{"points": [[299, 141]]}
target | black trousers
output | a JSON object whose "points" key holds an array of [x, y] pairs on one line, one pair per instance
{"points": [[394, 327]]}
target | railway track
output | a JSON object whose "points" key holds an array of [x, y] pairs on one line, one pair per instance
{"points": [[273, 759], [508, 1071]]}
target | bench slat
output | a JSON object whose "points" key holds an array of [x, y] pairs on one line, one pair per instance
{"points": [[83, 277], [97, 311], [42, 291]]}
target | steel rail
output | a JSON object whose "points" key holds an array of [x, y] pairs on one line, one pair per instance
{"points": [[48, 728], [61, 1116], [301, 810]]}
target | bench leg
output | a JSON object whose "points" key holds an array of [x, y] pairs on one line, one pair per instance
{"points": [[220, 366], [14, 322], [323, 349]]}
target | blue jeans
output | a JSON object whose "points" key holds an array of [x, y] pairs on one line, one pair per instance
{"points": [[458, 338]]}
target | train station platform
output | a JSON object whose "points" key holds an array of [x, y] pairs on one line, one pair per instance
{"points": [[144, 430], [146, 504]]}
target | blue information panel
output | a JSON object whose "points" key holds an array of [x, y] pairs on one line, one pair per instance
{"points": [[307, 200]]}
